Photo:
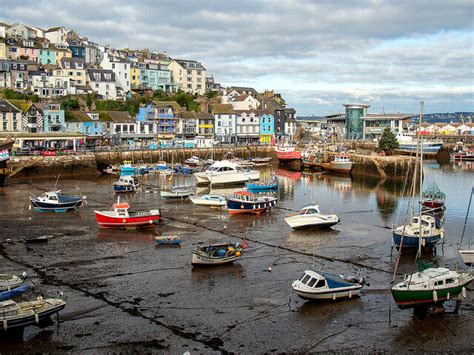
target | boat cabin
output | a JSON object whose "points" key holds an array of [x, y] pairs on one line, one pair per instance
{"points": [[121, 209], [428, 223], [8, 308], [312, 279], [342, 158], [435, 278], [51, 196], [310, 210], [128, 180]]}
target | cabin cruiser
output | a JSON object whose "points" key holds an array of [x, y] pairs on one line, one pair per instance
{"points": [[408, 144], [126, 183], [55, 201], [225, 172], [311, 217]]}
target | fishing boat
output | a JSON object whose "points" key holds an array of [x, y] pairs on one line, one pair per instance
{"points": [[462, 153], [19, 315], [208, 200], [178, 192], [433, 198], [408, 144], [341, 164], [217, 254], [120, 217], [262, 186], [9, 281], [311, 217], [168, 240], [194, 161], [127, 168], [225, 172], [161, 166], [286, 153], [55, 201], [322, 286], [5, 295], [126, 183], [466, 253], [247, 202]]}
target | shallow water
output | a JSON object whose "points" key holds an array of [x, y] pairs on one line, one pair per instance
{"points": [[124, 294]]}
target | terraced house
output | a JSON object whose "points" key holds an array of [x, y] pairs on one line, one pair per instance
{"points": [[189, 75], [31, 116], [121, 69], [225, 120], [267, 132], [102, 82], [53, 117], [10, 117]]}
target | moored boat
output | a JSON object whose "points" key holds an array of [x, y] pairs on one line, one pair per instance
{"points": [[9, 281], [126, 183], [168, 240], [208, 200], [322, 286], [120, 217], [178, 192], [5, 295], [287, 153], [462, 153], [262, 186], [55, 201], [311, 217], [217, 254], [127, 168], [247, 202], [433, 198], [225, 172], [341, 164], [194, 161], [5, 148], [427, 232], [408, 144]]}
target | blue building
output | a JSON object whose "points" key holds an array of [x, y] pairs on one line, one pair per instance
{"points": [[159, 118], [53, 118], [77, 48], [267, 127]]}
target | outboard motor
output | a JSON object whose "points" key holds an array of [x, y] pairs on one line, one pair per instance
{"points": [[24, 275]]}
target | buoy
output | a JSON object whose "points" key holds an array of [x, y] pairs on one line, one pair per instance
{"points": [[435, 296], [269, 269], [334, 296], [150, 221], [463, 292]]}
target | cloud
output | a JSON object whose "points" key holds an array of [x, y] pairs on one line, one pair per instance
{"points": [[382, 51]]}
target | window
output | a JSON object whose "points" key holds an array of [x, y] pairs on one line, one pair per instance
{"points": [[312, 282], [78, 73], [113, 65], [96, 85], [306, 279], [5, 127], [263, 119], [321, 283]]}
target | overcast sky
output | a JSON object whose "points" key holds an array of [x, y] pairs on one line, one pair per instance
{"points": [[318, 54]]}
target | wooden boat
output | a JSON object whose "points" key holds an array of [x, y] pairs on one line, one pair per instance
{"points": [[322, 286], [433, 198], [126, 183], [55, 201], [19, 315], [247, 202], [311, 217], [287, 153], [120, 217], [178, 192], [262, 186], [341, 164], [168, 240], [8, 281], [5, 295], [217, 254], [208, 200]]}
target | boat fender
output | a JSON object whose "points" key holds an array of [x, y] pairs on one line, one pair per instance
{"points": [[447, 296], [463, 292], [423, 243], [36, 318], [150, 221], [334, 296], [124, 220], [350, 293], [242, 206], [5, 324], [237, 253], [435, 296]]}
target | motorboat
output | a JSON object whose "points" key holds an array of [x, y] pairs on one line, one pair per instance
{"points": [[127, 167], [217, 254], [287, 152], [427, 232], [408, 144], [194, 161], [433, 198], [168, 240], [261, 160], [19, 315], [208, 200], [10, 281], [120, 217], [178, 192], [341, 164], [55, 201], [262, 186], [467, 256], [311, 217], [462, 153], [430, 286], [225, 172], [247, 202], [5, 295], [314, 285], [126, 183]]}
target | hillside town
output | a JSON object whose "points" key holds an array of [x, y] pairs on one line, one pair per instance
{"points": [[60, 88]]}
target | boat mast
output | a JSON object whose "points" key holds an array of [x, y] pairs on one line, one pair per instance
{"points": [[467, 215], [420, 139]]}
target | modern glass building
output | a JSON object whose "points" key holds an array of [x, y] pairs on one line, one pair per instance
{"points": [[354, 121]]}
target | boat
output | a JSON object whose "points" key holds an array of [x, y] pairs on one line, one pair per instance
{"points": [[341, 164], [161, 166], [262, 186], [261, 160], [194, 161], [408, 144], [120, 217], [19, 315], [311, 217], [287, 153], [466, 253], [208, 200], [126, 183], [433, 198], [314, 285], [178, 192], [5, 148], [168, 240], [5, 295], [127, 168], [9, 281], [55, 201], [225, 172], [217, 254], [247, 202], [462, 153], [430, 286], [183, 169]]}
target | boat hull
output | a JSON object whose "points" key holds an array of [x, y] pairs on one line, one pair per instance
{"points": [[467, 256], [124, 188], [10, 324], [238, 207], [203, 202], [433, 204], [284, 156], [413, 242], [298, 224], [412, 298], [5, 295], [199, 259], [145, 221], [331, 294], [171, 194], [59, 207], [338, 167]]}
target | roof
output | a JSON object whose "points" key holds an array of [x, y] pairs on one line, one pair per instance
{"points": [[243, 88], [222, 109], [120, 117], [73, 62], [52, 29], [190, 64], [6, 106], [196, 115], [265, 112], [397, 116], [23, 105], [102, 72], [176, 107]]}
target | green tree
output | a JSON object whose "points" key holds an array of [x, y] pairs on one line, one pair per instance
{"points": [[71, 104], [89, 101], [388, 142]]}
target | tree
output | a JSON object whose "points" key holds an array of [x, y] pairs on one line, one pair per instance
{"points": [[89, 101], [388, 142]]}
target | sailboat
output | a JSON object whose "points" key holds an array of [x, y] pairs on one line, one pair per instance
{"points": [[467, 254], [429, 286], [425, 229]]}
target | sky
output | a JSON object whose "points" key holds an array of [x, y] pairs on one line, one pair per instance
{"points": [[317, 54]]}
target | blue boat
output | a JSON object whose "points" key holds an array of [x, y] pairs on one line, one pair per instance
{"points": [[262, 186], [247, 202], [127, 168], [431, 232], [5, 295], [55, 201], [126, 183]]}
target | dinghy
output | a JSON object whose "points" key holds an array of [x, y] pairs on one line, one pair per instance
{"points": [[55, 201], [5, 295], [178, 192], [262, 186], [8, 282], [311, 217], [208, 200], [217, 254]]}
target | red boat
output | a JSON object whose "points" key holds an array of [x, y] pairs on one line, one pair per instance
{"points": [[120, 217], [286, 153]]}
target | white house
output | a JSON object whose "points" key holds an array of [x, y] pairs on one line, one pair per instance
{"points": [[3, 29], [121, 69], [56, 35], [244, 102], [102, 81], [225, 127], [248, 126], [51, 84], [19, 31]]}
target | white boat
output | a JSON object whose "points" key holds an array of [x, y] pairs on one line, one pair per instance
{"points": [[19, 315], [467, 255], [321, 286], [408, 144], [311, 217], [225, 172], [208, 200], [126, 183], [409, 235], [8, 281], [178, 192], [194, 161]]}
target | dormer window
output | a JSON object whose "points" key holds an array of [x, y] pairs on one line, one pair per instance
{"points": [[94, 116], [107, 76], [67, 65], [97, 76]]}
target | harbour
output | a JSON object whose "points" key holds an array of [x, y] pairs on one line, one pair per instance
{"points": [[126, 294]]}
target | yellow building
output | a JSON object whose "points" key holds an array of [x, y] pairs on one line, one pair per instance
{"points": [[189, 75], [3, 49], [74, 69], [134, 76]]}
